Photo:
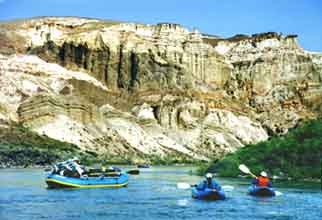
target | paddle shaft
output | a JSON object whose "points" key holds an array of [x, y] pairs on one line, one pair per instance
{"points": [[132, 172], [188, 186], [253, 175]]}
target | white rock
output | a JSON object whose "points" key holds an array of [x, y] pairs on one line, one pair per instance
{"points": [[241, 127], [144, 112]]}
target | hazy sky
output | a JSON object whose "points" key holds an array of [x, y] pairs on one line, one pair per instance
{"points": [[219, 17]]}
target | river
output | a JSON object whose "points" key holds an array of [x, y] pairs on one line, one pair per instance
{"points": [[150, 195]]}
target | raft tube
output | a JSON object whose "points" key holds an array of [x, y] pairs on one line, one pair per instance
{"points": [[57, 181], [207, 194], [261, 191]]}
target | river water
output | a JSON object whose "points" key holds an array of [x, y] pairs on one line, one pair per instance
{"points": [[150, 195]]}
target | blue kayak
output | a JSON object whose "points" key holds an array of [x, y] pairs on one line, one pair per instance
{"points": [[58, 181], [207, 194], [261, 191]]}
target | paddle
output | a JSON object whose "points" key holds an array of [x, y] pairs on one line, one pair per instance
{"points": [[225, 188], [277, 193], [48, 169], [131, 172], [245, 169]]}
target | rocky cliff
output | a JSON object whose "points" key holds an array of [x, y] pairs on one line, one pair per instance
{"points": [[153, 92]]}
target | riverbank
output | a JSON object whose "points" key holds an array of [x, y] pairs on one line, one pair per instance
{"points": [[20, 147], [296, 156]]}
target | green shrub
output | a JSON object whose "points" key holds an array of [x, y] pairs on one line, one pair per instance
{"points": [[297, 154], [202, 168]]}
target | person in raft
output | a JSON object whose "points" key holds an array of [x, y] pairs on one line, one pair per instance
{"points": [[78, 167], [262, 180], [209, 183], [69, 168]]}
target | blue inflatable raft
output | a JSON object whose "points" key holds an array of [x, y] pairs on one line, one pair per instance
{"points": [[57, 181], [261, 191], [207, 194]]}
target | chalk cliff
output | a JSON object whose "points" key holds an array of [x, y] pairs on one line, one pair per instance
{"points": [[153, 92]]}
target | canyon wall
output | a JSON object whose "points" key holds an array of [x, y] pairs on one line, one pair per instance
{"points": [[153, 92]]}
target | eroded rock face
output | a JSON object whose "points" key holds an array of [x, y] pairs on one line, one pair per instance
{"points": [[128, 56], [145, 92]]}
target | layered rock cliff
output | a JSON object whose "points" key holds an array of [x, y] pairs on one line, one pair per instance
{"points": [[153, 92]]}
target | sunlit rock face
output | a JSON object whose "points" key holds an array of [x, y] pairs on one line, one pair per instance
{"points": [[153, 92]]}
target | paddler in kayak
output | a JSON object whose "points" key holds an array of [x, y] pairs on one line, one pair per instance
{"points": [[209, 183], [262, 180]]}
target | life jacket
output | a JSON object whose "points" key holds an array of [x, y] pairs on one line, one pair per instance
{"points": [[263, 181], [209, 184]]}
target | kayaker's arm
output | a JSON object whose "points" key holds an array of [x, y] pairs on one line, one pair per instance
{"points": [[201, 186], [270, 184], [255, 181], [215, 186]]}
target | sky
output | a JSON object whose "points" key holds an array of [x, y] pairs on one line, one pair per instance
{"points": [[218, 17]]}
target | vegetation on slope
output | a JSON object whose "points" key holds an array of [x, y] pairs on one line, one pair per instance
{"points": [[296, 155], [20, 147]]}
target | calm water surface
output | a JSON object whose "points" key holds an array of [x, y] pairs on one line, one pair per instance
{"points": [[150, 195]]}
